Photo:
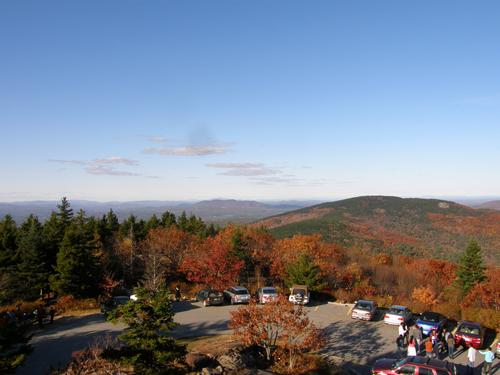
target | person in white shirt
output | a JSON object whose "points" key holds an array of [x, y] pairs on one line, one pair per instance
{"points": [[471, 360]]}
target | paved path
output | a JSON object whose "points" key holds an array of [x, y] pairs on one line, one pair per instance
{"points": [[350, 342]]}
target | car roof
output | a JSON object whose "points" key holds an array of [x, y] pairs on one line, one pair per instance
{"points": [[364, 300], [469, 323], [431, 313], [239, 288], [428, 362]]}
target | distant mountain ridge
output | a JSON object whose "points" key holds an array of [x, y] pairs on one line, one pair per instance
{"points": [[411, 226], [491, 205], [216, 210]]}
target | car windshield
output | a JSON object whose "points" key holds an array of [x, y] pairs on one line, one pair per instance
{"points": [[469, 329], [396, 310], [215, 294], [240, 291], [363, 305], [269, 291], [430, 317], [299, 291]]}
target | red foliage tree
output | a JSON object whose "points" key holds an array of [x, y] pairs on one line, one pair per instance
{"points": [[212, 263]]}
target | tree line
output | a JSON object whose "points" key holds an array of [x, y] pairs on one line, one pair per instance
{"points": [[72, 254]]}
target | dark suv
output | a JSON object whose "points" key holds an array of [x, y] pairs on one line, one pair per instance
{"points": [[413, 366]]}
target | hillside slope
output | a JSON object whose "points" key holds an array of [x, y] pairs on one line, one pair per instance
{"points": [[492, 205], [427, 227]]}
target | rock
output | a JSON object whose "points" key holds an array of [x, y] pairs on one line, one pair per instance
{"points": [[212, 371], [197, 361], [235, 360]]}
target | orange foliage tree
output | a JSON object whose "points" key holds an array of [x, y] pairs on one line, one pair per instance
{"points": [[425, 295], [213, 263], [277, 324], [325, 255]]}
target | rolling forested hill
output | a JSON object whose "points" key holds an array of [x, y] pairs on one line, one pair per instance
{"points": [[418, 227]]}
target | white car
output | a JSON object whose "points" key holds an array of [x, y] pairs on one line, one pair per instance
{"points": [[267, 294], [364, 310], [397, 315], [237, 294], [299, 295]]}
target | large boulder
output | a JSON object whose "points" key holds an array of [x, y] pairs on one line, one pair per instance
{"points": [[197, 361], [236, 360], [212, 371]]}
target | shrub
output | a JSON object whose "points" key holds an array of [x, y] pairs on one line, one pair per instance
{"points": [[487, 317], [69, 303]]}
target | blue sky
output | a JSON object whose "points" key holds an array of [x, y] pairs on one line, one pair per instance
{"points": [[127, 100]]}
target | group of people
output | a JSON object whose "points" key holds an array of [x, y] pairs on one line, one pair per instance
{"points": [[435, 345]]}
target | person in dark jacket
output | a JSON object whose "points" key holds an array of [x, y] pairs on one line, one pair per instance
{"points": [[400, 344]]}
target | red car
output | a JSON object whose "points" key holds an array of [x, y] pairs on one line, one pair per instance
{"points": [[413, 366], [469, 334]]}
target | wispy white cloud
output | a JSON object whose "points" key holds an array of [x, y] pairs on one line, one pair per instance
{"points": [[202, 150], [157, 139], [245, 169], [102, 166], [102, 170]]}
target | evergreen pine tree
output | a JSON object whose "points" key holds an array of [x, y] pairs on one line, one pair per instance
{"points": [[8, 242], [31, 273], [147, 344], [77, 270], [168, 219], [52, 237], [65, 214], [304, 272], [471, 268]]}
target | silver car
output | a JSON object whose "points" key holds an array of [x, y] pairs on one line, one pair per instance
{"points": [[237, 294], [267, 294]]}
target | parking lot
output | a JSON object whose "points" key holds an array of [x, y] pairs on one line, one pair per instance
{"points": [[353, 342], [356, 344]]}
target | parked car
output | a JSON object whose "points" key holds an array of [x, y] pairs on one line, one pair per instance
{"points": [[430, 321], [210, 297], [413, 366], [267, 294], [113, 303], [469, 334], [364, 310], [299, 295], [397, 315], [498, 349], [237, 294]]}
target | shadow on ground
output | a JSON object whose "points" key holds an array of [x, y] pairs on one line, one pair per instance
{"points": [[352, 341], [182, 306], [200, 329]]}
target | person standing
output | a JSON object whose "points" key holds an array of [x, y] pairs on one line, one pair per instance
{"points": [[450, 341], [402, 330], [489, 356], [52, 313], [420, 339], [412, 349], [471, 360], [400, 343], [428, 347]]}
